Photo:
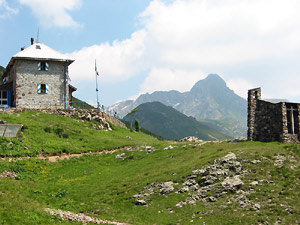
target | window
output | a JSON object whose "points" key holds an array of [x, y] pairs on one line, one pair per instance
{"points": [[292, 118], [42, 88], [44, 66], [3, 98]]}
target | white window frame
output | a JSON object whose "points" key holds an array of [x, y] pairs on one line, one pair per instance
{"points": [[44, 91], [2, 99], [45, 67]]}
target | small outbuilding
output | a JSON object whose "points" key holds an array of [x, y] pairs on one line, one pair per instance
{"points": [[272, 121], [35, 78]]}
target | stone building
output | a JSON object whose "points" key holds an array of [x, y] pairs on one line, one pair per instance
{"points": [[36, 77], [272, 121]]}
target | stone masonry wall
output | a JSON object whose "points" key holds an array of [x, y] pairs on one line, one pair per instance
{"points": [[268, 121], [266, 128], [253, 96], [27, 79]]}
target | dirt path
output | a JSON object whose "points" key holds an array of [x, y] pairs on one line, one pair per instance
{"points": [[62, 156]]}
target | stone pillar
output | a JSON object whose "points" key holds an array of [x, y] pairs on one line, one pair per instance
{"points": [[284, 129], [253, 96], [298, 122]]}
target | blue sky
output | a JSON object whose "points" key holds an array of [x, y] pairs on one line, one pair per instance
{"points": [[147, 45]]}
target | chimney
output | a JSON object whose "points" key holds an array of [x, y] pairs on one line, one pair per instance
{"points": [[32, 40]]}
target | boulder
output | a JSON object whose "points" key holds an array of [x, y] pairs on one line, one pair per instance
{"points": [[256, 207], [228, 158], [140, 202], [232, 183], [166, 187], [121, 156], [170, 147]]}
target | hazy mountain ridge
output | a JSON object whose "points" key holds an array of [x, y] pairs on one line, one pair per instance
{"points": [[208, 99], [169, 123]]}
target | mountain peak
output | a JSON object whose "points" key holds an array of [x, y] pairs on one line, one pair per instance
{"points": [[212, 81], [213, 76]]}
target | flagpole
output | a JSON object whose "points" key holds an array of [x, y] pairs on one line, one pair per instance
{"points": [[96, 72]]}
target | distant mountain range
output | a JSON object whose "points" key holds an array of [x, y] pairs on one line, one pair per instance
{"points": [[171, 124], [209, 100]]}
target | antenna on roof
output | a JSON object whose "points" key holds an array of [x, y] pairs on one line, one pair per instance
{"points": [[38, 35]]}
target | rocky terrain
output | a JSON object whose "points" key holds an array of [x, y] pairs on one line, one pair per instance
{"points": [[227, 178]]}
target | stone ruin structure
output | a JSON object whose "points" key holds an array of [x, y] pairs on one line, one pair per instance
{"points": [[272, 121]]}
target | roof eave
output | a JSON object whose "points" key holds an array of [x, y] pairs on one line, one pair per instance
{"points": [[45, 59]]}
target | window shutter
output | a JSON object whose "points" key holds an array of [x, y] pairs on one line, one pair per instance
{"points": [[46, 66], [47, 88], [39, 66], [39, 90]]}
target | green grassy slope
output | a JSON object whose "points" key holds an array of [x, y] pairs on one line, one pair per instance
{"points": [[227, 126], [169, 123], [103, 186], [79, 104], [47, 133]]}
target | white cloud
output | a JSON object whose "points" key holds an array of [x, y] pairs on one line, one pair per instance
{"points": [[54, 12], [240, 86], [183, 40], [118, 61], [6, 10], [165, 79]]}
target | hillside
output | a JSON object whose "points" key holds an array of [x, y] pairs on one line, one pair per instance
{"points": [[45, 133], [170, 124], [188, 183], [209, 99], [79, 104]]}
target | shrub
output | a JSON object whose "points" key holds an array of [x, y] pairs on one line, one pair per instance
{"points": [[47, 129], [137, 125]]}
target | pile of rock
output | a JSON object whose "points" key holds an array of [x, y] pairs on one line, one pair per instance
{"points": [[279, 160], [87, 115], [220, 177], [8, 174], [206, 184], [149, 149], [191, 139], [66, 215], [161, 188]]}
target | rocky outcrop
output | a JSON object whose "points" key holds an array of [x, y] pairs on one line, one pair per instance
{"points": [[191, 139], [8, 174], [80, 217], [88, 115], [220, 177]]}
